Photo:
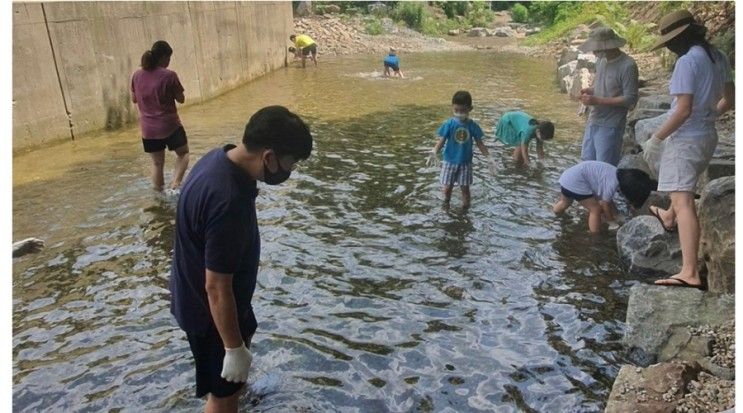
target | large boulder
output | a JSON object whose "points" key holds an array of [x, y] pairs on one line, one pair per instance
{"points": [[304, 9], [717, 168], [647, 249], [588, 61], [504, 32], [478, 32], [564, 71], [659, 199], [654, 389], [568, 54], [658, 102], [634, 161], [717, 238], [646, 127], [581, 80], [566, 83], [653, 311], [378, 9]]}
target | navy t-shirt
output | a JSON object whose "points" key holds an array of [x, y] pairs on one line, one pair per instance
{"points": [[215, 228]]}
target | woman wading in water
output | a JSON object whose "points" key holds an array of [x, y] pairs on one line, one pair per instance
{"points": [[155, 89]]}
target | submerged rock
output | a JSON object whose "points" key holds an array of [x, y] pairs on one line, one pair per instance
{"points": [[653, 310], [717, 239], [647, 249]]}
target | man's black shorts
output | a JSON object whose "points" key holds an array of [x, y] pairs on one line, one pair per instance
{"points": [[572, 195], [173, 142], [309, 49], [208, 355]]}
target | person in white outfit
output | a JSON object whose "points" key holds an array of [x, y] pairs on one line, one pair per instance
{"points": [[703, 89]]}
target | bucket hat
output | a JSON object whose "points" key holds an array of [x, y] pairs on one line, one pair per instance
{"points": [[671, 25], [602, 38]]}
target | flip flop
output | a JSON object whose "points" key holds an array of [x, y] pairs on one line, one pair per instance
{"points": [[683, 284], [657, 215]]}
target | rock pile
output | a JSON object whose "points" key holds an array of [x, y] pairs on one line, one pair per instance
{"points": [[343, 35]]}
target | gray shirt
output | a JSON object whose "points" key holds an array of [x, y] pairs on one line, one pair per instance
{"points": [[617, 77], [591, 178]]}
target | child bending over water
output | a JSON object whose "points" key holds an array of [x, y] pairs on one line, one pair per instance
{"points": [[518, 129], [593, 184], [391, 61]]}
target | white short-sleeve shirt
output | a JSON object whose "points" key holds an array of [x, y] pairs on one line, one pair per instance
{"points": [[695, 74], [591, 178]]}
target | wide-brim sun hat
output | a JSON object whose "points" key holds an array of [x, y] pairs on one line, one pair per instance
{"points": [[671, 25], [602, 38]]}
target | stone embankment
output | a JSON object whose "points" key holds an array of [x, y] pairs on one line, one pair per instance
{"points": [[343, 35], [680, 340]]}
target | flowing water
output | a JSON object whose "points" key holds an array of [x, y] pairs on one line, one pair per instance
{"points": [[371, 296]]}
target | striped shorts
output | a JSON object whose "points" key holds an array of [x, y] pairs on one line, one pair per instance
{"points": [[453, 174]]}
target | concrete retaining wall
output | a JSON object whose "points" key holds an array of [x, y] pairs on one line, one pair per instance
{"points": [[73, 61]]}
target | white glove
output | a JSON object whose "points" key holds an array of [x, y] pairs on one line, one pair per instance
{"points": [[433, 159], [236, 364], [492, 167]]}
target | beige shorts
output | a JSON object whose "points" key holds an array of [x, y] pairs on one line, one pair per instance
{"points": [[683, 160]]}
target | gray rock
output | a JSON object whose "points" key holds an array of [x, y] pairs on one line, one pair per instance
{"points": [[639, 114], [304, 9], [634, 161], [588, 61], [515, 25], [658, 102], [653, 310], [717, 168], [657, 388], [568, 54], [646, 127], [717, 239], [564, 71], [478, 32], [532, 31], [378, 9], [646, 249], [659, 199], [566, 83], [504, 32], [581, 80], [453, 32]]}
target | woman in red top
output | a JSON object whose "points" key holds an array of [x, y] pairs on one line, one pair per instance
{"points": [[155, 89]]}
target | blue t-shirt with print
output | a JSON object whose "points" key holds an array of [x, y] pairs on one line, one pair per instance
{"points": [[458, 138]]}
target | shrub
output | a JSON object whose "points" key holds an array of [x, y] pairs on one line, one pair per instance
{"points": [[479, 14], [411, 13], [637, 36], [725, 41], [374, 27], [519, 13]]}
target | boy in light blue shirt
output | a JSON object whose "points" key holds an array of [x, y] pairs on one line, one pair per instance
{"points": [[457, 136]]}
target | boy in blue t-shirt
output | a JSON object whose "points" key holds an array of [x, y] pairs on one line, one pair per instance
{"points": [[391, 61], [456, 135]]}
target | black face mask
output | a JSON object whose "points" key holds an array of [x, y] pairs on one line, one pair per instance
{"points": [[275, 178]]}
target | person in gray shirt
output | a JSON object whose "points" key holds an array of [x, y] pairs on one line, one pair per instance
{"points": [[613, 93]]}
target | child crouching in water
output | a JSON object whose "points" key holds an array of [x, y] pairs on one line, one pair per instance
{"points": [[518, 129], [456, 136], [391, 61], [593, 184]]}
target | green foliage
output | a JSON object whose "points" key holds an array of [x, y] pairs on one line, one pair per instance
{"points": [[479, 14], [569, 15], [725, 41], [519, 13], [454, 8], [412, 13], [373, 27], [638, 36], [549, 12]]}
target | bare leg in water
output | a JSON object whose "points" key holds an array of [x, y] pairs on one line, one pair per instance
{"points": [[158, 162], [181, 164]]}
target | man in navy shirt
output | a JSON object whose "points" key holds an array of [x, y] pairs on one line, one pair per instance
{"points": [[217, 249]]}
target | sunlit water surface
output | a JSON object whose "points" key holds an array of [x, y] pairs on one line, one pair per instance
{"points": [[371, 297]]}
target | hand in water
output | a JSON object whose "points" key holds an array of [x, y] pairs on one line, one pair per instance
{"points": [[433, 159], [236, 364]]}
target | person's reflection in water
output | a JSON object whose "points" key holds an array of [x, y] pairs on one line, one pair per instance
{"points": [[457, 228]]}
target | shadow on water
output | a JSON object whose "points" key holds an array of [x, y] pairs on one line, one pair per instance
{"points": [[371, 295]]}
